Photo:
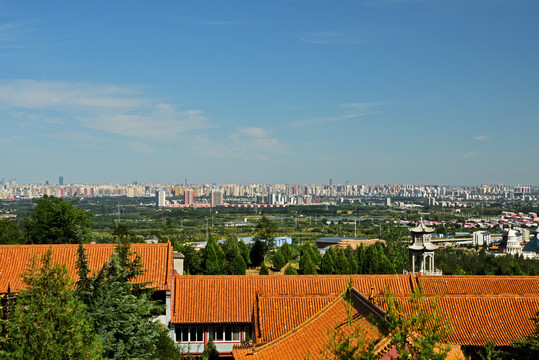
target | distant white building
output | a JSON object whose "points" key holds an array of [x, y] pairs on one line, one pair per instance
{"points": [[511, 242], [481, 238], [160, 198]]}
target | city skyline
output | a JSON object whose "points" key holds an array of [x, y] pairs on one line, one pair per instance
{"points": [[297, 91]]}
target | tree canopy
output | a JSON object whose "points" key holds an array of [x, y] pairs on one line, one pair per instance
{"points": [[57, 221], [48, 321]]}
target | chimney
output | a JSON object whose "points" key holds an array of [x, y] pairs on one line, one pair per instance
{"points": [[178, 262]]}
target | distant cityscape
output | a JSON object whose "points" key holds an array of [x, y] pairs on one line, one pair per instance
{"points": [[204, 195]]}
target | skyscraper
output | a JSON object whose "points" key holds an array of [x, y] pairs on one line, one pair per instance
{"points": [[216, 198], [188, 198], [159, 198], [61, 180]]}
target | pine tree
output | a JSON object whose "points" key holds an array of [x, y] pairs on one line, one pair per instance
{"points": [[238, 266], [213, 258], [278, 261], [360, 254], [210, 351], [352, 264], [290, 270], [258, 252], [263, 270], [326, 265], [48, 321], [122, 310], [286, 251], [341, 265], [244, 251]]}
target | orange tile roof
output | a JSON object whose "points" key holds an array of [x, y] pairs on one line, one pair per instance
{"points": [[487, 285], [309, 339], [231, 298], [477, 319], [278, 314], [156, 259]]}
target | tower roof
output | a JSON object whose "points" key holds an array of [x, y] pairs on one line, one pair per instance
{"points": [[422, 228]]}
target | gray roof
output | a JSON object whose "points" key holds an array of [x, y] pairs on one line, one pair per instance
{"points": [[336, 240], [532, 246], [422, 228]]}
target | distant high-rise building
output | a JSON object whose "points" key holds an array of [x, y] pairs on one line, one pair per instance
{"points": [[330, 182], [61, 180], [188, 197], [216, 198], [159, 198]]}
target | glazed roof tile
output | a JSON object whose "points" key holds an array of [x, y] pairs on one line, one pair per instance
{"points": [[279, 314], [310, 338], [480, 285], [156, 259], [475, 320], [231, 298]]}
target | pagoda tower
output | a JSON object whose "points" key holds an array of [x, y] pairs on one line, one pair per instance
{"points": [[423, 249]]}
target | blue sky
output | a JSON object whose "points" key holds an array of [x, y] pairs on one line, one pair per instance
{"points": [[297, 91]]}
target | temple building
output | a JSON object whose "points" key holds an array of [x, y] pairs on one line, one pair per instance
{"points": [[422, 251]]}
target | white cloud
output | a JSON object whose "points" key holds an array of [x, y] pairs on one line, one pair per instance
{"points": [[482, 137], [352, 111], [244, 144], [112, 109], [470, 154]]}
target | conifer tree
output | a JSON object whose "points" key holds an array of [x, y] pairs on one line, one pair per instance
{"points": [[213, 258], [263, 270], [278, 261], [326, 265], [352, 264], [290, 270], [48, 321], [258, 252], [122, 310], [238, 266], [360, 254], [210, 351], [341, 265], [286, 251], [244, 251]]}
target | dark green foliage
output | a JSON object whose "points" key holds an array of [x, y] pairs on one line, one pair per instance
{"points": [[286, 251], [376, 262], [290, 270], [308, 259], [244, 251], [57, 221], [361, 259], [396, 246], [213, 258], [278, 261], [10, 232], [238, 266], [48, 321], [122, 310], [341, 265], [193, 264], [481, 263], [122, 232], [263, 270], [265, 229], [258, 251], [529, 346], [210, 351], [352, 264], [166, 349], [326, 265]]}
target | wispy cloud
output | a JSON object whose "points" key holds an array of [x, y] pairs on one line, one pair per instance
{"points": [[482, 137], [124, 111], [249, 143], [351, 111], [471, 154], [12, 31], [330, 38]]}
